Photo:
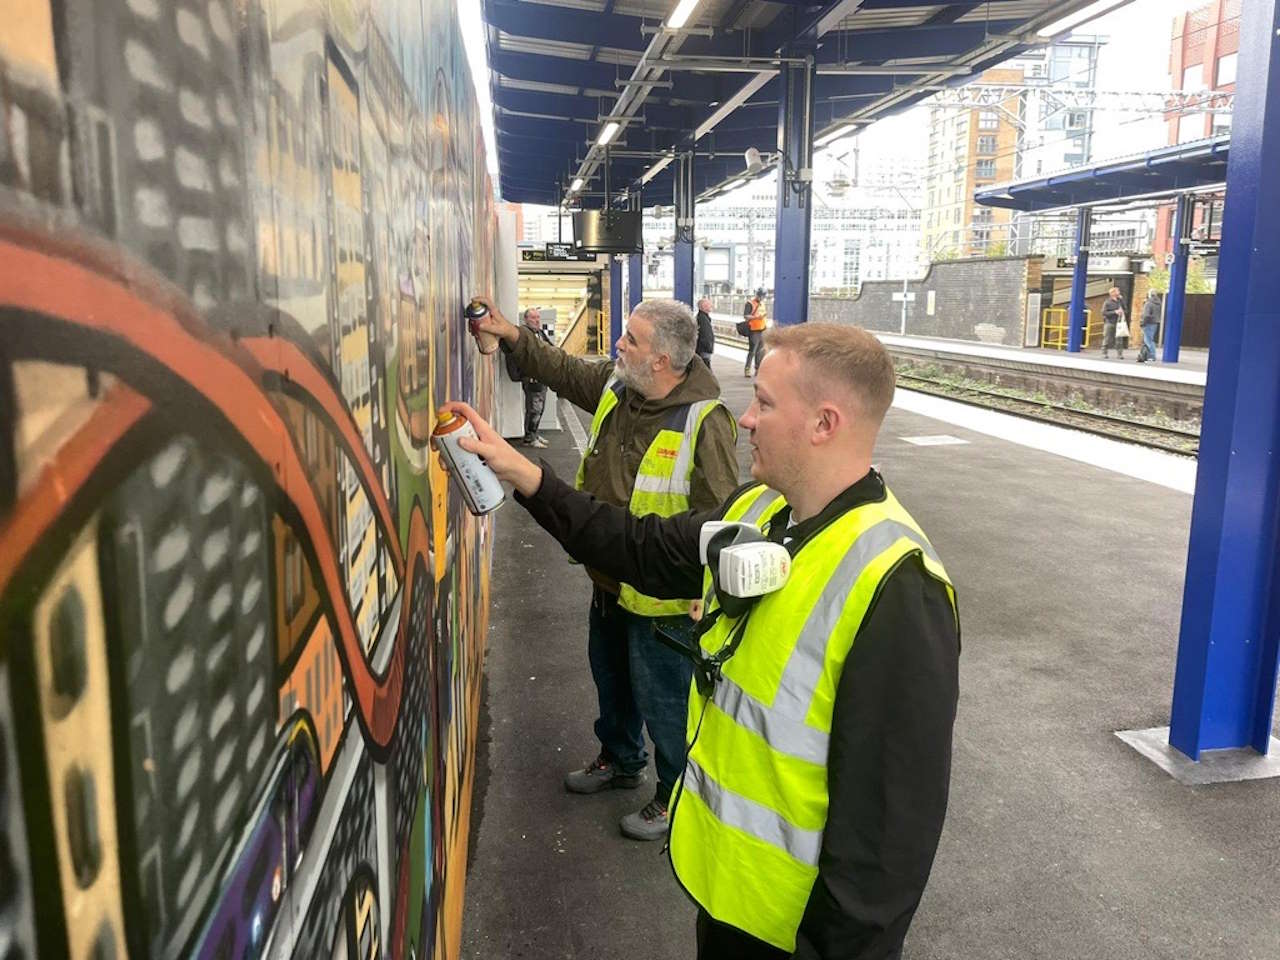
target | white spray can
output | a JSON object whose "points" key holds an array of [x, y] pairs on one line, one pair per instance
{"points": [[481, 490]]}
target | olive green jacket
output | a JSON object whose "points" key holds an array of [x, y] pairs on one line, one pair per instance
{"points": [[610, 469]]}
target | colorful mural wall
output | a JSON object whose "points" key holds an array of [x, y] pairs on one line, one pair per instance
{"points": [[241, 614]]}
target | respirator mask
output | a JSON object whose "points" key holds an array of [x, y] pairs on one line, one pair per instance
{"points": [[745, 566]]}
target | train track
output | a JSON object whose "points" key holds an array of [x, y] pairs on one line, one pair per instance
{"points": [[1168, 439], [1109, 425]]}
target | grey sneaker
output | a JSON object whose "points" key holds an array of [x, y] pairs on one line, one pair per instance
{"points": [[601, 774], [647, 823], [539, 443]]}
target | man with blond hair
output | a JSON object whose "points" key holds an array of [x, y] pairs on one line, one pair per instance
{"points": [[821, 714]]}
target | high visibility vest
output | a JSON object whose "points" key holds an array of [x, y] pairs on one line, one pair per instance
{"points": [[749, 812], [757, 323], [662, 482]]}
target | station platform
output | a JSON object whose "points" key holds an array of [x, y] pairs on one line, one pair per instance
{"points": [[1061, 841], [1190, 368]]}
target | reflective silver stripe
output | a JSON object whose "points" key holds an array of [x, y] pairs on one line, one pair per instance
{"points": [[804, 668], [683, 467], [753, 818], [762, 503], [613, 384], [647, 483], [787, 735]]}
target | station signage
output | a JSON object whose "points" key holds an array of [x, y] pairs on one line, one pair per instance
{"points": [[567, 251]]}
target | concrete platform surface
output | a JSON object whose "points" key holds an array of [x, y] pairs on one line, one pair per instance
{"points": [[1061, 841]]}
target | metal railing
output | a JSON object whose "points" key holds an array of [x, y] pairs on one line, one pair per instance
{"points": [[1055, 328]]}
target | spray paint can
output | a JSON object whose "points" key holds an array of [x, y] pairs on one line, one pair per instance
{"points": [[481, 490], [475, 310]]}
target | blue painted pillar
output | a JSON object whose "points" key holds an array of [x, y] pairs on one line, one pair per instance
{"points": [[1177, 297], [795, 192], [1079, 279], [615, 304], [684, 203], [635, 280], [1225, 682]]}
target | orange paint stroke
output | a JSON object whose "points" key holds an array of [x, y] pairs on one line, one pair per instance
{"points": [[174, 336], [40, 507]]}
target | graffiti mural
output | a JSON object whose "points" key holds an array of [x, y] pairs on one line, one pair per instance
{"points": [[241, 613]]}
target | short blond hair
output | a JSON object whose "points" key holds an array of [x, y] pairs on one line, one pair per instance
{"points": [[842, 355]]}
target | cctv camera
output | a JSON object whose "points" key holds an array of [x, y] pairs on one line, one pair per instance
{"points": [[753, 161]]}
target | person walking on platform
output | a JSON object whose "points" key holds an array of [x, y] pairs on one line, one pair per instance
{"points": [[535, 393], [1112, 314], [706, 346], [820, 723], [661, 442], [1150, 325], [754, 316]]}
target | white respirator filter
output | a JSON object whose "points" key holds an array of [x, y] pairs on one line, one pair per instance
{"points": [[742, 533], [753, 569]]}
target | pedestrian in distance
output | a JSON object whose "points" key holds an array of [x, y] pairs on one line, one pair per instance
{"points": [[1112, 317], [1150, 326], [661, 442], [753, 315], [820, 719], [706, 346], [535, 393]]}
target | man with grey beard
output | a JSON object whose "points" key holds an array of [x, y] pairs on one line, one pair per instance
{"points": [[661, 443]]}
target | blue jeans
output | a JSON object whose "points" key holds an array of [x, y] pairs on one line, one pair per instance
{"points": [[639, 682], [1149, 337]]}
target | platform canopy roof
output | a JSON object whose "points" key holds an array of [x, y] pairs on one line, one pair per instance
{"points": [[1164, 172], [561, 71]]}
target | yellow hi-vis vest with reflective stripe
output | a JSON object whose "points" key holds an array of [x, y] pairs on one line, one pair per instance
{"points": [[749, 813], [662, 482]]}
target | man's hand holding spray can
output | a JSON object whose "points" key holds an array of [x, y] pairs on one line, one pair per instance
{"points": [[481, 490]]}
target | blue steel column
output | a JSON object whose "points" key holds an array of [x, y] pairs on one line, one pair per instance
{"points": [[615, 304], [684, 201], [1177, 296], [635, 280], [1079, 278], [1225, 683], [635, 265], [795, 192]]}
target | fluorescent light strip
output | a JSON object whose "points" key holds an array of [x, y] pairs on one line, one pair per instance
{"points": [[680, 15], [576, 185], [608, 133]]}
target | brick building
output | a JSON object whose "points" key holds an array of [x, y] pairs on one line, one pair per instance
{"points": [[1202, 56]]}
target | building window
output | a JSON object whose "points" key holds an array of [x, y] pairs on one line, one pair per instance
{"points": [[1221, 124], [1226, 73], [988, 120], [1193, 78], [985, 169], [987, 144], [1190, 127], [1076, 120]]}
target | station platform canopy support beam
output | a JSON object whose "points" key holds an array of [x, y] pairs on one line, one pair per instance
{"points": [[1176, 300], [615, 304], [1079, 276], [635, 265], [1228, 653], [795, 189], [685, 197]]}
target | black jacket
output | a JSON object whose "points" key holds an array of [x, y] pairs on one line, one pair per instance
{"points": [[890, 756], [1111, 310], [706, 336]]}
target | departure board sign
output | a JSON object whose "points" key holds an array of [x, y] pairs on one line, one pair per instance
{"points": [[567, 251]]}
